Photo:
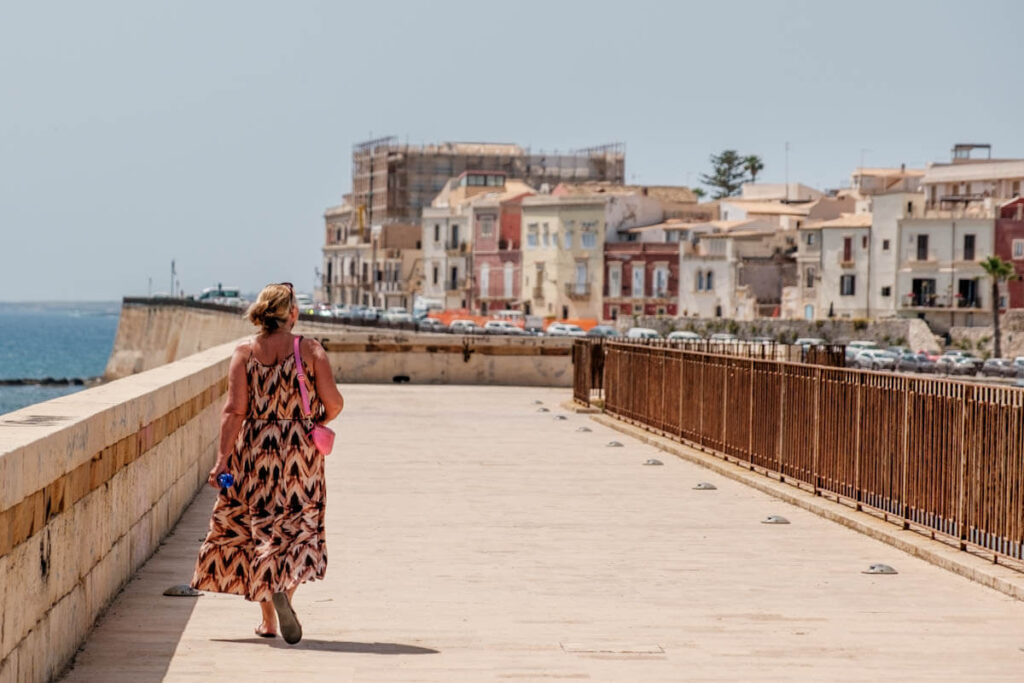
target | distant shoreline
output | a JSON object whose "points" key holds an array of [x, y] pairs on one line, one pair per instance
{"points": [[51, 381]]}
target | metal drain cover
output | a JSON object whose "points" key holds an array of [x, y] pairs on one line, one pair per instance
{"points": [[182, 591], [705, 486], [774, 519], [614, 444], [583, 429], [880, 569], [653, 461]]}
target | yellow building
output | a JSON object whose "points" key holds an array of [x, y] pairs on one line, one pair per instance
{"points": [[563, 254]]}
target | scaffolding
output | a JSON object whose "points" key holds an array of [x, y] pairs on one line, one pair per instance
{"points": [[395, 181]]}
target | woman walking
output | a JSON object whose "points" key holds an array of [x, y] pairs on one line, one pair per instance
{"points": [[267, 530]]}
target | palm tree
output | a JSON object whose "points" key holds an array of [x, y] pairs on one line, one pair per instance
{"points": [[754, 165], [698, 192], [1000, 271]]}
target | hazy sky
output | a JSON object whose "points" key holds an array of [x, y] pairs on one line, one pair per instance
{"points": [[217, 132]]}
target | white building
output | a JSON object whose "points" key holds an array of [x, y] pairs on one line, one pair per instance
{"points": [[888, 209], [838, 285], [972, 180]]}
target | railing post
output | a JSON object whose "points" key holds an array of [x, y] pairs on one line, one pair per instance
{"points": [[725, 400], [750, 413], [961, 526], [856, 438], [782, 418], [904, 458], [682, 357], [700, 412], [816, 448]]}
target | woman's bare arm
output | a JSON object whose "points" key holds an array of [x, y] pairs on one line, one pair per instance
{"points": [[326, 388], [234, 412]]}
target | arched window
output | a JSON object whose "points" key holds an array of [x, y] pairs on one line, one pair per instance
{"points": [[710, 281], [700, 280]]}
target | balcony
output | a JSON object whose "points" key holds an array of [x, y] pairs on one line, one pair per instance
{"points": [[577, 290], [454, 248], [940, 302]]}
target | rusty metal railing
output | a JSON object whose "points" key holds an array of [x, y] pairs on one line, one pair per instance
{"points": [[588, 370], [934, 454]]}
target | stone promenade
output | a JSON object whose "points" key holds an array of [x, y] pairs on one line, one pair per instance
{"points": [[473, 538]]}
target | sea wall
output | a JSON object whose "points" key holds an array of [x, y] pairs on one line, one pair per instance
{"points": [[91, 483], [154, 331]]}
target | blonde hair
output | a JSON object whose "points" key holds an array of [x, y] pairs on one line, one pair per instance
{"points": [[272, 308]]}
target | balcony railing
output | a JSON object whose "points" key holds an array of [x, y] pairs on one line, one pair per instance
{"points": [[941, 301], [577, 290]]}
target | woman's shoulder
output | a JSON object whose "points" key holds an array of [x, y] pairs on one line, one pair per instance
{"points": [[311, 347]]}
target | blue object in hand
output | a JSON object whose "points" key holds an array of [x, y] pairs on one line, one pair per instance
{"points": [[225, 480]]}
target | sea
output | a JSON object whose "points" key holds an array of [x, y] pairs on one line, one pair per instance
{"points": [[58, 340]]}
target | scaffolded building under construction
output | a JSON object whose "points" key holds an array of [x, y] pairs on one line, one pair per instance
{"points": [[395, 181]]}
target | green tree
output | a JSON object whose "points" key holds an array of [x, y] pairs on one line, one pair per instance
{"points": [[698, 192], [727, 174], [754, 165], [1000, 271]]}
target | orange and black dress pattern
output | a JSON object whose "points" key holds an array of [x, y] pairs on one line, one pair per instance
{"points": [[267, 531]]}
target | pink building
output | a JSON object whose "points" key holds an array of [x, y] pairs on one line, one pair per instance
{"points": [[641, 278], [497, 259]]}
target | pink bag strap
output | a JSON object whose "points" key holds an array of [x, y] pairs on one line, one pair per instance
{"points": [[301, 372]]}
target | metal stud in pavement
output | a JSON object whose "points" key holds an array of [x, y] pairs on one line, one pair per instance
{"points": [[182, 591], [774, 519], [653, 461], [561, 417], [543, 410], [880, 569], [538, 402], [583, 429], [705, 486], [614, 444]]}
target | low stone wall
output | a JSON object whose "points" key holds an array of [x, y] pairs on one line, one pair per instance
{"points": [[911, 332], [91, 482], [980, 339], [154, 331]]}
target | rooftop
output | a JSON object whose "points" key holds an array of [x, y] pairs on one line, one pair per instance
{"points": [[769, 208], [525, 550]]}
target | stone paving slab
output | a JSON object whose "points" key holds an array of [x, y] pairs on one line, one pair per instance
{"points": [[472, 538]]}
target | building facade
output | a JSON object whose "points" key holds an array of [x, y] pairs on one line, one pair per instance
{"points": [[497, 256], [640, 278]]}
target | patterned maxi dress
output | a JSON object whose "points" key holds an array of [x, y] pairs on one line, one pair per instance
{"points": [[267, 531]]}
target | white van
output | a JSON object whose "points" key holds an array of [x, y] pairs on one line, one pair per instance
{"points": [[642, 333]]}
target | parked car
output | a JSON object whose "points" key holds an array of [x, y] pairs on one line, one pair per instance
{"points": [[931, 355], [948, 361], [1018, 363], [372, 313], [998, 367], [502, 327], [762, 340], [810, 341], [875, 359], [722, 337], [642, 333], [861, 344], [962, 365], [431, 325], [908, 361], [465, 327], [397, 317], [684, 336], [602, 331], [564, 330]]}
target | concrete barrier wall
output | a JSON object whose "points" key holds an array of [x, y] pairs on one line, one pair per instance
{"points": [[91, 482], [154, 332]]}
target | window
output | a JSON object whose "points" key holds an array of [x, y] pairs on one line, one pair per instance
{"points": [[847, 249], [809, 277], [864, 242], [661, 282], [437, 232], [568, 239], [487, 226], [810, 239], [547, 236], [509, 274], [581, 277], [638, 280], [1018, 249], [886, 291], [455, 236], [910, 208], [589, 239], [531, 237], [709, 281], [700, 280], [968, 247], [485, 280], [614, 279], [847, 285], [885, 245], [922, 247]]}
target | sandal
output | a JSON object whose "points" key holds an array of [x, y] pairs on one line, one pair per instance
{"points": [[264, 634], [291, 629]]}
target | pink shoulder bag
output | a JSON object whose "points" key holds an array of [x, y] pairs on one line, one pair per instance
{"points": [[321, 436]]}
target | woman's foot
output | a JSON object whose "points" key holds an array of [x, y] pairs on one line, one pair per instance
{"points": [[265, 630], [291, 629]]}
